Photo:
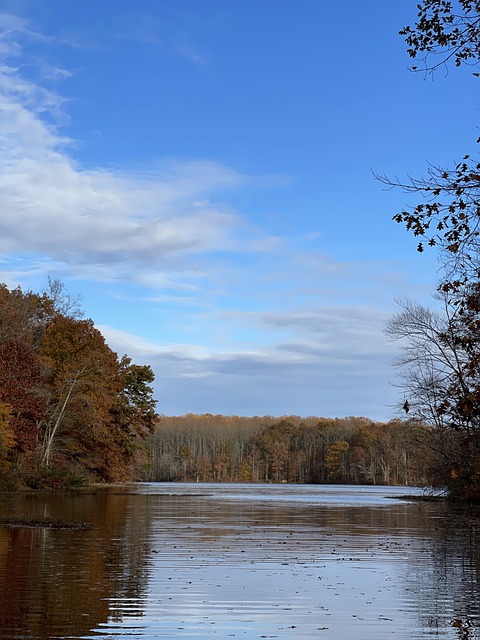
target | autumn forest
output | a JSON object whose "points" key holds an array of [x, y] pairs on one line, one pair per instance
{"points": [[289, 449]]}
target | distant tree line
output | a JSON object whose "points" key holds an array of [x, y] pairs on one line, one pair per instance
{"points": [[216, 448], [71, 411]]}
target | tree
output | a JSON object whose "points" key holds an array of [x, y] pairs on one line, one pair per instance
{"points": [[84, 379], [335, 459], [441, 350], [427, 362], [69, 408], [440, 362], [62, 301], [24, 316], [136, 405]]}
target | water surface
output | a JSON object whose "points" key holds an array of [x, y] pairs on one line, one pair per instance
{"points": [[239, 561]]}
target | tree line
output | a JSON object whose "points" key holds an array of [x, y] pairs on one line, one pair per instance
{"points": [[71, 410], [217, 448]]}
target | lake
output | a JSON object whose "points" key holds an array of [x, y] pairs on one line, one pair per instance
{"points": [[240, 561]]}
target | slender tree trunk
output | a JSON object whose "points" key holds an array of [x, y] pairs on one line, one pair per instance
{"points": [[51, 433]]}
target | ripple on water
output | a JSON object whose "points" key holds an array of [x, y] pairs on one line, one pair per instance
{"points": [[194, 564]]}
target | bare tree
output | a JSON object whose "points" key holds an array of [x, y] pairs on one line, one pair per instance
{"points": [[440, 373], [426, 361], [64, 303]]}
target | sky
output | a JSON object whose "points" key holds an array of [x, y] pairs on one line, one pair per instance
{"points": [[201, 173]]}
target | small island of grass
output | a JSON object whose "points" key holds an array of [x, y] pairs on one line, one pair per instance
{"points": [[41, 522]]}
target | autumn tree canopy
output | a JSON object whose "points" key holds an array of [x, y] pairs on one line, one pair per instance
{"points": [[70, 409]]}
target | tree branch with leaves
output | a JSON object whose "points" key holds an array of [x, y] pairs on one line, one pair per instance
{"points": [[444, 32]]}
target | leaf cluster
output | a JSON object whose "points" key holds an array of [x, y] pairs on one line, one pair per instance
{"points": [[445, 31]]}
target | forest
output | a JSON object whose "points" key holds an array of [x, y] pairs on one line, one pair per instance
{"points": [[71, 411], [217, 448]]}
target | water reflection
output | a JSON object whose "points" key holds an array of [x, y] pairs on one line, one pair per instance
{"points": [[178, 561], [453, 574], [61, 583]]}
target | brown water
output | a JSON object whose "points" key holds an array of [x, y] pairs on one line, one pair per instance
{"points": [[239, 561]]}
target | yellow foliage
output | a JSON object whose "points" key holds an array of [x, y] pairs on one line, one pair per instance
{"points": [[335, 457], [7, 437]]}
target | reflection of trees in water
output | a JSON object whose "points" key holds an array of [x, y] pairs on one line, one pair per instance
{"points": [[446, 586], [56, 583], [461, 541]]}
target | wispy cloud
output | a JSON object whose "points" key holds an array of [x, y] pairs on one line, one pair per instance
{"points": [[146, 28], [192, 53], [140, 26]]}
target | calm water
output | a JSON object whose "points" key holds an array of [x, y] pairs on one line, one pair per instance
{"points": [[240, 561]]}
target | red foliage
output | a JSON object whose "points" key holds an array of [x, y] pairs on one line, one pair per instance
{"points": [[20, 377]]}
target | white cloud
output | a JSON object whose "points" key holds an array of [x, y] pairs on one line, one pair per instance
{"points": [[52, 206]]}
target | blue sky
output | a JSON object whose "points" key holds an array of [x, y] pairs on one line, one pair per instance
{"points": [[200, 172]]}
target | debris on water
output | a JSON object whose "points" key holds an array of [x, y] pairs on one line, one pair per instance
{"points": [[41, 522]]}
